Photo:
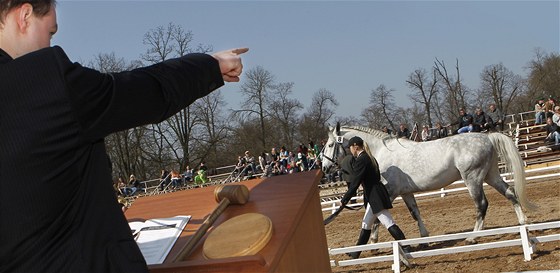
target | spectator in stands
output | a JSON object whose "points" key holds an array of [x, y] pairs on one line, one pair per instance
{"points": [[441, 131], [250, 160], [201, 175], [274, 155], [176, 179], [365, 172], [240, 165], [134, 184], [263, 166], [539, 112], [549, 107], [481, 121], [188, 174], [556, 116], [283, 156], [465, 122], [552, 131], [300, 163], [403, 131], [165, 179], [497, 118], [426, 134], [278, 168], [123, 189], [290, 168], [386, 130]]}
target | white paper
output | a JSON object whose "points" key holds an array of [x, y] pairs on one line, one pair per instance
{"points": [[156, 244]]}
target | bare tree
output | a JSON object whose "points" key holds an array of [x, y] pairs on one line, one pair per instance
{"points": [[425, 91], [381, 109], [314, 124], [500, 86], [284, 112], [164, 43], [455, 92], [544, 75], [255, 88]]}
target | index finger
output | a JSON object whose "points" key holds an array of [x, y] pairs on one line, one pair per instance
{"points": [[240, 50]]}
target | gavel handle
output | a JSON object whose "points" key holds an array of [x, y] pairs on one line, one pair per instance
{"points": [[189, 247]]}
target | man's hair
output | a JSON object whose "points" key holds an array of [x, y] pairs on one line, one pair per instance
{"points": [[40, 7]]}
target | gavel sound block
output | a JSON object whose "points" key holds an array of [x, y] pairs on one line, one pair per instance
{"points": [[225, 195]]}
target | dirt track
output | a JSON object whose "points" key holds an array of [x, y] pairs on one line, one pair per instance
{"points": [[456, 213]]}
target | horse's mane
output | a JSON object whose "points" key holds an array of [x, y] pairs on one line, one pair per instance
{"points": [[374, 132]]}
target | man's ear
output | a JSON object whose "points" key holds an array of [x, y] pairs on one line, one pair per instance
{"points": [[23, 16]]}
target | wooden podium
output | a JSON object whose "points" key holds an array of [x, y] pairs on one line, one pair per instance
{"points": [[298, 242]]}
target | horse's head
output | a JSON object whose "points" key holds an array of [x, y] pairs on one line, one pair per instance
{"points": [[333, 150]]}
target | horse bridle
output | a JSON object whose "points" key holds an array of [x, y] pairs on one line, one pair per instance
{"points": [[337, 144]]}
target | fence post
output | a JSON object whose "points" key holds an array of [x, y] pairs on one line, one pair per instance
{"points": [[528, 246], [396, 258]]}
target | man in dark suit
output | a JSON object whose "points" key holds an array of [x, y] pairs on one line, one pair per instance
{"points": [[365, 171], [58, 210]]}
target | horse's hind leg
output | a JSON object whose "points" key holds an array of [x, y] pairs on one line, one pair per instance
{"points": [[495, 180], [481, 203], [410, 202]]}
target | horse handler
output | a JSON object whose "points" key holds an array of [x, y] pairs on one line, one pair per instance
{"points": [[365, 171]]}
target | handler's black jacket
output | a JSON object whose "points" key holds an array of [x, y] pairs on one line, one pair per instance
{"points": [[58, 210], [367, 174]]}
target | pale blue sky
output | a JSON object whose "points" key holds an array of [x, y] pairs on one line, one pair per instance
{"points": [[347, 47]]}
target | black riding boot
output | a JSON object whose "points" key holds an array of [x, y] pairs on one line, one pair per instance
{"points": [[362, 240], [397, 233]]}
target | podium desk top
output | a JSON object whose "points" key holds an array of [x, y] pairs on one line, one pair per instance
{"points": [[281, 198]]}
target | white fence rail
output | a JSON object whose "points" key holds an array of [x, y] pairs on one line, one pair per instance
{"points": [[527, 242], [333, 205]]}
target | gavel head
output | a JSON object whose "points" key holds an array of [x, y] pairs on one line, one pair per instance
{"points": [[236, 194]]}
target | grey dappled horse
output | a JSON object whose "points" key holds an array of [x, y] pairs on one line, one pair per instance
{"points": [[408, 167]]}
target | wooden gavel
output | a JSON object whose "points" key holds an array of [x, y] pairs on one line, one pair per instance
{"points": [[225, 195]]}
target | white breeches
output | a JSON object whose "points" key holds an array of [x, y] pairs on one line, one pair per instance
{"points": [[384, 217]]}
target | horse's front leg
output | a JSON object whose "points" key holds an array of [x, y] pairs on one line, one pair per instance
{"points": [[375, 231], [410, 202]]}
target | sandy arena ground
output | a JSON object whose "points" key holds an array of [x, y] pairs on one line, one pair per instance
{"points": [[456, 213]]}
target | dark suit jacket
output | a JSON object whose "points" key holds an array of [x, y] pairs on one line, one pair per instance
{"points": [[365, 173], [58, 210]]}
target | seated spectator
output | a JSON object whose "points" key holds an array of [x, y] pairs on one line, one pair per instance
{"points": [[441, 131], [552, 131], [403, 131], [201, 176], [465, 122], [481, 121], [134, 184], [278, 169], [386, 130], [274, 154], [556, 116], [176, 179], [240, 165], [250, 160], [123, 189], [539, 112], [283, 156], [426, 134], [549, 107], [188, 174], [300, 163], [497, 118]]}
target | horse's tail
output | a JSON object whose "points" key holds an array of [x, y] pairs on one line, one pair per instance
{"points": [[506, 148]]}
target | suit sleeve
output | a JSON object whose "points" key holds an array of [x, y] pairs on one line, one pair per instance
{"points": [[358, 173], [106, 103]]}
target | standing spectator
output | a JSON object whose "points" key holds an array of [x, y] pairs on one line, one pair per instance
{"points": [[552, 131], [165, 179], [481, 121], [403, 131], [441, 131], [539, 112], [497, 118], [426, 134]]}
